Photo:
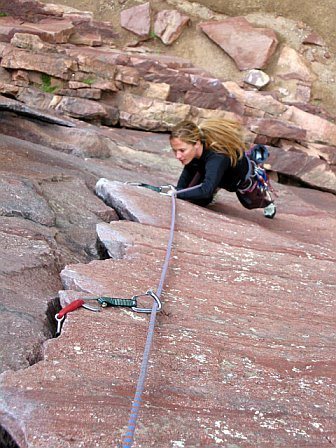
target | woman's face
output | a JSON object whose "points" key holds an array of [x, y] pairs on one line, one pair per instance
{"points": [[186, 152]]}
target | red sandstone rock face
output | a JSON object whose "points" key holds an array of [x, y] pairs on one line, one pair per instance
{"points": [[242, 352], [49, 60], [243, 349], [50, 30]]}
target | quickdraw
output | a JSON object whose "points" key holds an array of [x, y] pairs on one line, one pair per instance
{"points": [[114, 301], [163, 189], [104, 302], [132, 303]]}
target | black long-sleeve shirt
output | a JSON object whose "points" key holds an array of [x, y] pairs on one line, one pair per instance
{"points": [[213, 170]]}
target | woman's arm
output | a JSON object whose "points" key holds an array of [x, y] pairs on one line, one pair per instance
{"points": [[215, 167], [186, 177]]}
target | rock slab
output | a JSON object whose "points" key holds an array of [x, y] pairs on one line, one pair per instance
{"points": [[248, 46], [242, 352]]}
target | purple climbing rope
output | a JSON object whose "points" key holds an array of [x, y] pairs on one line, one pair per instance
{"points": [[129, 436]]}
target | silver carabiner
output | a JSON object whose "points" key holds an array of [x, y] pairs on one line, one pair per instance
{"points": [[147, 310], [165, 188]]}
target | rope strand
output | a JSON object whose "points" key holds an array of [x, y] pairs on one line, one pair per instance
{"points": [[129, 436]]}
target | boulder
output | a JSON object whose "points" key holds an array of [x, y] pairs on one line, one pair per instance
{"points": [[169, 25], [92, 39], [257, 78], [8, 89], [88, 93], [149, 113], [158, 90], [155, 115], [127, 75], [248, 46], [137, 19], [291, 65], [95, 64]]}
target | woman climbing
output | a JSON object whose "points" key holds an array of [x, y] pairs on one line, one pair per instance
{"points": [[213, 157]]}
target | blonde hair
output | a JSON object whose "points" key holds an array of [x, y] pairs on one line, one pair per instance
{"points": [[219, 135]]}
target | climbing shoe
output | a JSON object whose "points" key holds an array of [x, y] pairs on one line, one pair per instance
{"points": [[270, 211]]}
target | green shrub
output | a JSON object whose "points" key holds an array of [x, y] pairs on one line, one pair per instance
{"points": [[88, 81], [46, 84]]}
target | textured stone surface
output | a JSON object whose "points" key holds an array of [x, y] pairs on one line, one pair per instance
{"points": [[137, 19], [257, 78], [238, 37], [7, 104], [33, 11], [292, 65], [30, 42], [20, 197], [314, 39], [242, 351], [55, 65], [298, 164], [81, 142], [318, 129], [49, 30], [48, 217], [277, 128], [81, 108], [151, 91], [265, 103], [169, 25], [28, 281]]}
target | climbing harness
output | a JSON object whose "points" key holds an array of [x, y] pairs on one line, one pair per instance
{"points": [[257, 155], [255, 190]]}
